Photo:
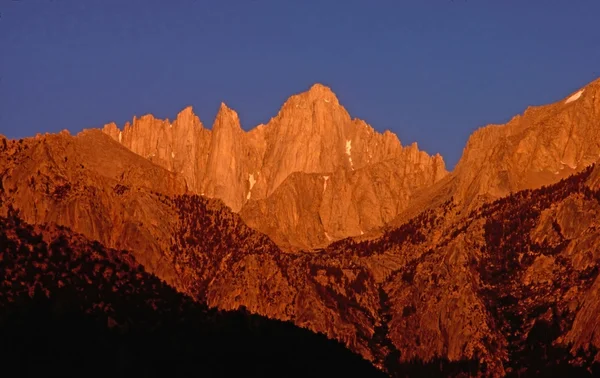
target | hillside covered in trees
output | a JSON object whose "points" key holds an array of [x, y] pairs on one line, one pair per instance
{"points": [[70, 307]]}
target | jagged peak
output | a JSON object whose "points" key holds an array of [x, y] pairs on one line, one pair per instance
{"points": [[316, 93], [319, 91], [187, 111], [226, 117], [187, 115], [110, 127], [391, 135], [319, 88], [224, 108], [145, 117]]}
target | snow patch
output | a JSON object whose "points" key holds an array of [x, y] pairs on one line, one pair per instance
{"points": [[252, 181], [173, 155], [328, 237], [574, 97], [362, 232], [325, 183], [120, 136], [326, 100], [349, 152]]}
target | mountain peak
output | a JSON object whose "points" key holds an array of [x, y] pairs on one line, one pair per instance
{"points": [[226, 117], [188, 117], [317, 92], [320, 88], [186, 112], [224, 108]]}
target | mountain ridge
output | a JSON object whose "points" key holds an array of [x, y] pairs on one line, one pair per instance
{"points": [[312, 133], [491, 268]]}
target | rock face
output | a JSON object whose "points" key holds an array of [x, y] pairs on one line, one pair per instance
{"points": [[540, 147], [179, 146], [508, 287], [312, 210], [94, 186], [312, 135]]}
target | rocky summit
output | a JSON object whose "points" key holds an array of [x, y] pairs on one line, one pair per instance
{"points": [[317, 219], [311, 175]]}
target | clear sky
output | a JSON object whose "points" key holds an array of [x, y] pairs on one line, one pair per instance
{"points": [[431, 71]]}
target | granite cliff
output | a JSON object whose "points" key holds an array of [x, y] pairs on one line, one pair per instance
{"points": [[257, 173], [539, 147], [491, 269]]}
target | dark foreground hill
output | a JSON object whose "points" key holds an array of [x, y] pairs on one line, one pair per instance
{"points": [[70, 307]]}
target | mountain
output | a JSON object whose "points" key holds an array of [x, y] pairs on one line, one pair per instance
{"points": [[511, 285], [312, 210], [194, 243], [266, 173], [540, 147], [69, 306], [422, 292], [473, 272], [92, 185]]}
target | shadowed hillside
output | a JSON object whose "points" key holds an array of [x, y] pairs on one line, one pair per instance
{"points": [[70, 307]]}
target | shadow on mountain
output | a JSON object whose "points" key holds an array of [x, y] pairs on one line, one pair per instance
{"points": [[70, 307]]}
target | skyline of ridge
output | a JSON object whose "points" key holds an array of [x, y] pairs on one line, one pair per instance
{"points": [[431, 73], [246, 128]]}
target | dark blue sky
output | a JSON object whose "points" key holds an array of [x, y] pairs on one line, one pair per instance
{"points": [[431, 71]]}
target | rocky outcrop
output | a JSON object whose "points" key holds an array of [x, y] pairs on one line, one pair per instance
{"points": [[94, 186], [233, 161], [542, 146], [312, 210], [180, 146], [312, 135]]}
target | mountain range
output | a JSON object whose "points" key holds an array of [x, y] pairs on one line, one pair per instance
{"points": [[317, 219]]}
